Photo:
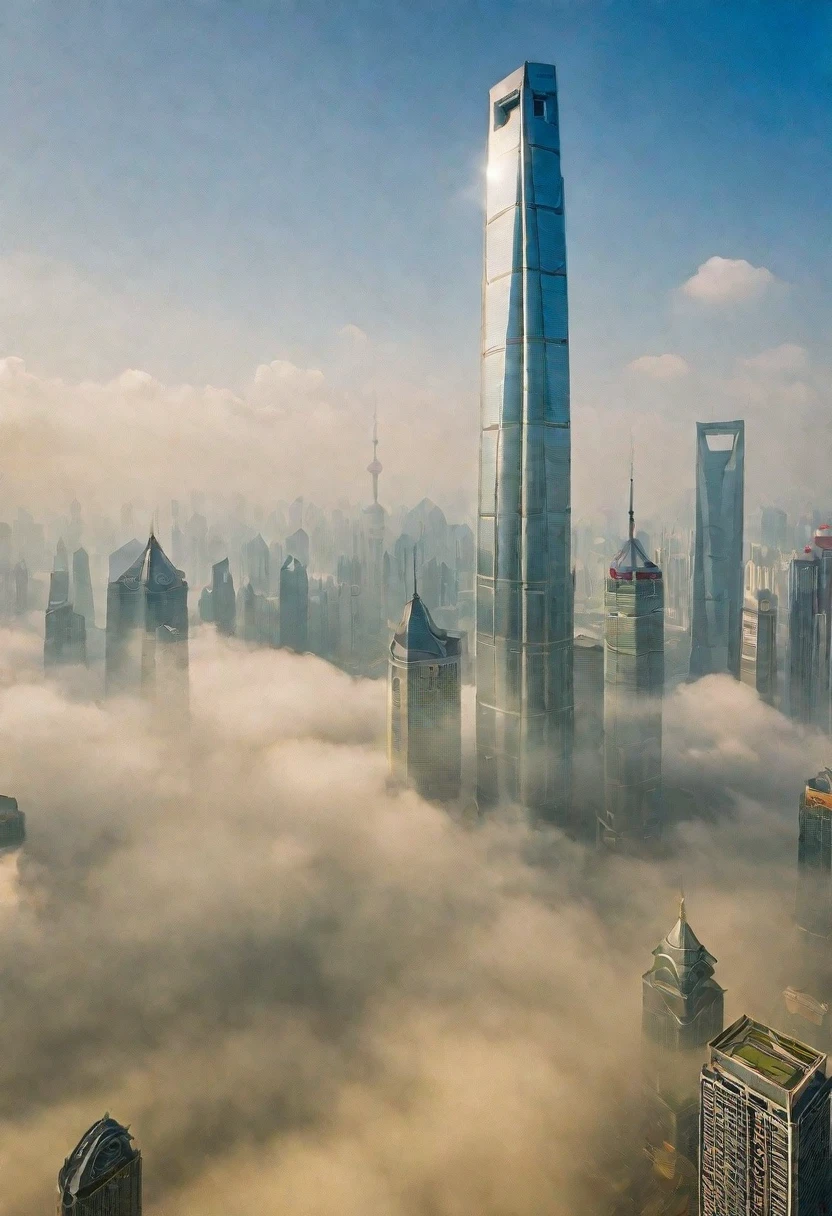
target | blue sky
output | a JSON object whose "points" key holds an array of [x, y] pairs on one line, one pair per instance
{"points": [[233, 181]]}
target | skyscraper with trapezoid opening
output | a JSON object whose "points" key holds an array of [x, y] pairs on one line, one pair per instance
{"points": [[524, 585]]}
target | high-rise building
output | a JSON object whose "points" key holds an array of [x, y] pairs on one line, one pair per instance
{"points": [[82, 597], [294, 605], [802, 675], [21, 588], [813, 905], [588, 758], [633, 690], [682, 1010], [223, 599], [103, 1174], [423, 709], [256, 562], [764, 1125], [716, 624], [297, 546], [65, 634], [147, 629], [12, 823], [524, 583], [758, 665], [774, 526]]}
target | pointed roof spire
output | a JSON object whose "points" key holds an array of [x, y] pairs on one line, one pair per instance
{"points": [[415, 591], [631, 512]]}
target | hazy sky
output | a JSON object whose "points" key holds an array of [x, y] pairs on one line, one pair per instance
{"points": [[198, 187]]}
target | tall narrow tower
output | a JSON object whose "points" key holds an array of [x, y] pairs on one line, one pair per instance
{"points": [[633, 691], [524, 584], [103, 1174], [716, 625]]}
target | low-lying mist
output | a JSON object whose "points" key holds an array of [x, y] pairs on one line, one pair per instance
{"points": [[307, 993]]}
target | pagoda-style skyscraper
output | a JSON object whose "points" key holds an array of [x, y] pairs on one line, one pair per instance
{"points": [[147, 629], [633, 690], [682, 1010], [524, 584]]}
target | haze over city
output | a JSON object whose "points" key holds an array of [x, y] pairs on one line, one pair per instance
{"points": [[415, 693]]}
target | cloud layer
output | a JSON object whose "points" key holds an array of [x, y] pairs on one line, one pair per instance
{"points": [[727, 281]]}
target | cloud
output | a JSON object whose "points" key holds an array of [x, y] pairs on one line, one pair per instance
{"points": [[727, 280], [778, 360], [659, 367], [306, 992], [354, 333]]}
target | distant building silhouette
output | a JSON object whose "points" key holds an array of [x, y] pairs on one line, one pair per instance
{"points": [[297, 546], [147, 628], [716, 625], [21, 588], [256, 560], [223, 599], [764, 1127], [682, 1010], [424, 718], [65, 633], [123, 558], [294, 605], [82, 597], [103, 1174]]}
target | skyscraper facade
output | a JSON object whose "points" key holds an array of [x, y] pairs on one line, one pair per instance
{"points": [[804, 636], [65, 634], [716, 624], [294, 605], [633, 690], [223, 599], [813, 904], [423, 707], [103, 1174], [682, 1010], [764, 1125], [147, 607], [524, 585], [758, 662]]}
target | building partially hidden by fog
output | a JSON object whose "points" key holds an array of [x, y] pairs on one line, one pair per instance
{"points": [[424, 733], [65, 633], [764, 1130], [716, 620], [103, 1174], [524, 584], [294, 605], [147, 630], [682, 1010], [223, 599], [12, 823], [633, 690], [813, 906], [758, 661], [809, 672]]}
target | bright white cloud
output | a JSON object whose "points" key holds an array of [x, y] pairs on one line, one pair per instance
{"points": [[727, 280], [778, 360], [659, 367]]}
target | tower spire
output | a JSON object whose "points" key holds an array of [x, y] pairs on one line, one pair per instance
{"points": [[415, 592], [631, 512], [374, 467]]}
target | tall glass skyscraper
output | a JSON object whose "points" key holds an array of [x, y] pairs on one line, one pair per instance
{"points": [[716, 624], [524, 585]]}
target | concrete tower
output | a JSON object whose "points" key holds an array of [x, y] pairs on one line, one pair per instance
{"points": [[716, 625], [524, 585]]}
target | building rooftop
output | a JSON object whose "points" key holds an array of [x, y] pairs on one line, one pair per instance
{"points": [[419, 639], [775, 1058]]}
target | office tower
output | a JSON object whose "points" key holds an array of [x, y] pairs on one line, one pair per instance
{"points": [[12, 823], [275, 562], [758, 665], [65, 633], [374, 515], [764, 1125], [717, 560], [682, 1010], [588, 683], [774, 526], [633, 690], [823, 629], [21, 588], [256, 564], [223, 599], [123, 558], [297, 546], [61, 558], [82, 597], [147, 609], [524, 583], [294, 605], [103, 1174], [424, 738], [813, 906], [802, 675]]}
